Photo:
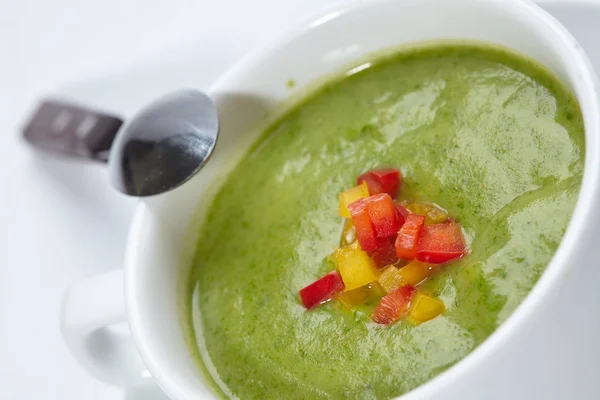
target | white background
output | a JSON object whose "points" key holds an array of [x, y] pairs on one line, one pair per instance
{"points": [[60, 221]]}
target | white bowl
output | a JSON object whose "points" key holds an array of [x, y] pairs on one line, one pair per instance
{"points": [[510, 363]]}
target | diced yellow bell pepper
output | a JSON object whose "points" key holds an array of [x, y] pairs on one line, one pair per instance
{"points": [[356, 267], [390, 279], [415, 273], [424, 308], [433, 213], [348, 233], [357, 297], [350, 196]]}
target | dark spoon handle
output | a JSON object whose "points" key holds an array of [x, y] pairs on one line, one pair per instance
{"points": [[71, 130]]}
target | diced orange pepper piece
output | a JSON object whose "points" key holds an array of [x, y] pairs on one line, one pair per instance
{"points": [[433, 213], [390, 279], [356, 267], [350, 196], [424, 308], [363, 226], [384, 215], [414, 273], [408, 237]]}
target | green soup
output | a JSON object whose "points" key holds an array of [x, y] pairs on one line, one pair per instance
{"points": [[491, 136]]}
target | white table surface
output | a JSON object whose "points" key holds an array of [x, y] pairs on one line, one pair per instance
{"points": [[60, 221]]}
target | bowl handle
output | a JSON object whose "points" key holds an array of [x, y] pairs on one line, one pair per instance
{"points": [[91, 310]]}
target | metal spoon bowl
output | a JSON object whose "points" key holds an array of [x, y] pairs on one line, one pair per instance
{"points": [[162, 146]]}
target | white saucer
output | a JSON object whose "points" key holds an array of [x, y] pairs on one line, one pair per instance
{"points": [[59, 220]]}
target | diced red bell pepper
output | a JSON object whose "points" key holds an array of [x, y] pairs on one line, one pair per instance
{"points": [[394, 305], [321, 290], [385, 255], [408, 237], [384, 180], [365, 231], [440, 243], [371, 181], [383, 214], [402, 212]]}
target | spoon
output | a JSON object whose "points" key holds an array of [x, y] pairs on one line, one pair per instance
{"points": [[160, 148], [164, 145]]}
